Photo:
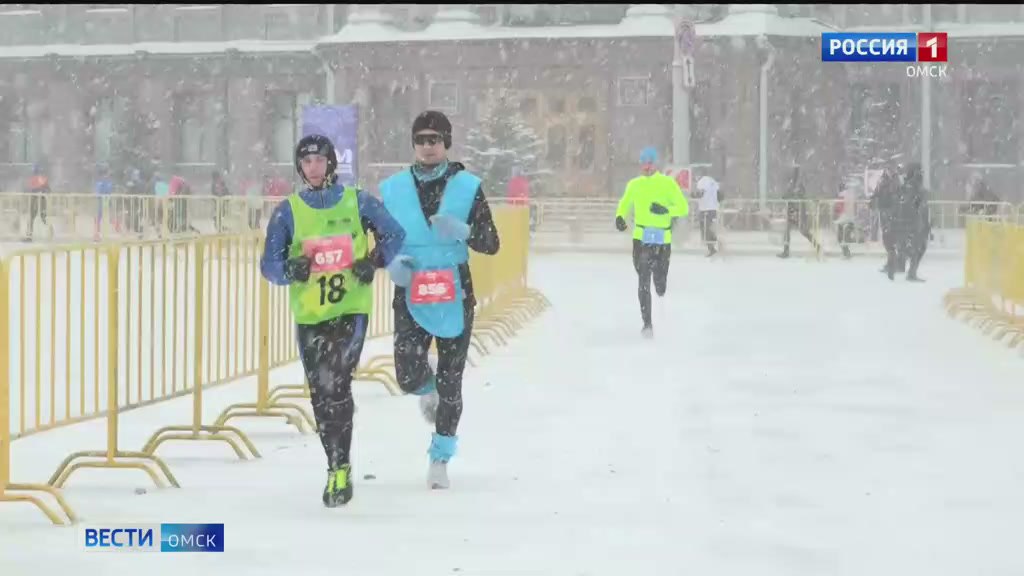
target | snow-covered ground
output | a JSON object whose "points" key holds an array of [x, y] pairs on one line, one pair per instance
{"points": [[790, 418]]}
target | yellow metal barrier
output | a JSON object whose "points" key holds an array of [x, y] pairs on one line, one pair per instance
{"points": [[92, 331], [499, 283], [992, 298]]}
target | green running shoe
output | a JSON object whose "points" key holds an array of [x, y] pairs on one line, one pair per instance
{"points": [[339, 486]]}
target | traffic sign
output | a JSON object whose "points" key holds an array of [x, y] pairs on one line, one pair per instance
{"points": [[686, 37]]}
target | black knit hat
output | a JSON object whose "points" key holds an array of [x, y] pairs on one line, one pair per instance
{"points": [[319, 145], [436, 121]]}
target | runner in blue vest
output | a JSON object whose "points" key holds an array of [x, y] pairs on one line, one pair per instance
{"points": [[317, 246], [442, 209]]}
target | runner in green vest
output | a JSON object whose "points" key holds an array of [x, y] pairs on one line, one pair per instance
{"points": [[317, 246], [656, 201]]}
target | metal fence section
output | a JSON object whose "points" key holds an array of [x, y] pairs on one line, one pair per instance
{"points": [[92, 331]]}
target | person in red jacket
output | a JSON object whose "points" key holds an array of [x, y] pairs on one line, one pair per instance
{"points": [[518, 190], [517, 193]]}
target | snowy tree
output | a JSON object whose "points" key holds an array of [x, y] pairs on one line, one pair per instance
{"points": [[503, 140]]}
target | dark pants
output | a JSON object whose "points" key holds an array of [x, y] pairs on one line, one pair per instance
{"points": [[845, 237], [36, 206], [805, 230], [896, 242], [411, 346], [915, 251], [707, 228], [650, 260], [330, 354]]}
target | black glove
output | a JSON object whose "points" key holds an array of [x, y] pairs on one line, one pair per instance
{"points": [[297, 268], [658, 209], [620, 224], [363, 270]]}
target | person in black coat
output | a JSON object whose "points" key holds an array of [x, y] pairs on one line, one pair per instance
{"points": [[796, 214], [885, 200], [913, 219]]}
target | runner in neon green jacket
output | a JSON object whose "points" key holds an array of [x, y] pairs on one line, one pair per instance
{"points": [[656, 201]]}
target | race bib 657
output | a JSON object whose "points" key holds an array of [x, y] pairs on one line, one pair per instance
{"points": [[331, 254]]}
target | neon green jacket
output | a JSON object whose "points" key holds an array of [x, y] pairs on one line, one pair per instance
{"points": [[643, 191]]}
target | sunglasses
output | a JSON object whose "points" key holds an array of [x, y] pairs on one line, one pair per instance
{"points": [[427, 139]]}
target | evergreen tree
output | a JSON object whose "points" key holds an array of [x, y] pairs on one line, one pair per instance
{"points": [[501, 141], [873, 142]]}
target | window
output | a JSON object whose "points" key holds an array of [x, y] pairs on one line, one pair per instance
{"points": [[633, 91], [556, 147], [103, 123], [21, 26], [198, 128], [528, 106], [285, 123], [19, 145], [444, 96], [700, 122], [389, 112], [993, 12], [197, 23], [108, 25], [795, 112], [585, 154], [858, 98], [276, 26], [29, 132], [944, 13], [586, 104], [988, 127], [557, 105]]}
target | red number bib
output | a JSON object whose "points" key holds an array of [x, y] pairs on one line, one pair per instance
{"points": [[330, 254], [432, 287]]}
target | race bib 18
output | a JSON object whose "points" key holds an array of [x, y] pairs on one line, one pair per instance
{"points": [[653, 236], [432, 287], [331, 254]]}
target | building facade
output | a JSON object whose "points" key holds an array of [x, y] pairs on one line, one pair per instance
{"points": [[198, 88]]}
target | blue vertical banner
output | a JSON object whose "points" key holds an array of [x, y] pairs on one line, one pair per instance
{"points": [[341, 125]]}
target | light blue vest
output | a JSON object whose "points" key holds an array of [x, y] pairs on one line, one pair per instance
{"points": [[444, 319]]}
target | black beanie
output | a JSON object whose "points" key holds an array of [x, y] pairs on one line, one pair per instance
{"points": [[436, 121]]}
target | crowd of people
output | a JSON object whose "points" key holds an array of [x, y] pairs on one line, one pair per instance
{"points": [[900, 201], [121, 198]]}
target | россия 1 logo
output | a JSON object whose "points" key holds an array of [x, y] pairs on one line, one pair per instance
{"points": [[888, 47]]}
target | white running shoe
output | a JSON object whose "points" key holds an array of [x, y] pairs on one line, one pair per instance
{"points": [[437, 476]]}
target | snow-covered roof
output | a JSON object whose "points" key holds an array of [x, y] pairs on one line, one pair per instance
{"points": [[651, 21], [953, 29], [79, 50], [471, 32], [754, 23], [982, 30], [640, 21]]}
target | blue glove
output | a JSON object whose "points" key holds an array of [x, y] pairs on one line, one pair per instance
{"points": [[450, 228], [400, 270]]}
